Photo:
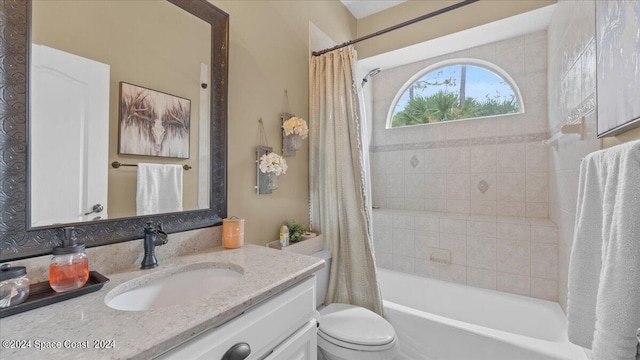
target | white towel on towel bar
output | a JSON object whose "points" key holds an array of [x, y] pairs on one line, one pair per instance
{"points": [[159, 189], [604, 272]]}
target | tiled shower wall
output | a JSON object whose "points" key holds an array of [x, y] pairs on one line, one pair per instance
{"points": [[572, 85], [511, 254], [572, 94], [443, 167]]}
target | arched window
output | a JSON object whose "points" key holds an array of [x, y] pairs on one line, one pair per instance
{"points": [[455, 90]]}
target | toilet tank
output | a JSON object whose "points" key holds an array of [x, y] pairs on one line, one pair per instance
{"points": [[322, 276]]}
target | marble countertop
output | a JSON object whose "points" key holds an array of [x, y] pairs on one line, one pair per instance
{"points": [[88, 321]]}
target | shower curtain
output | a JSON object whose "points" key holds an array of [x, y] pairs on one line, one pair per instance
{"points": [[340, 204]]}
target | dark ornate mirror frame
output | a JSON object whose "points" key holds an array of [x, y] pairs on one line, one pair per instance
{"points": [[17, 238]]}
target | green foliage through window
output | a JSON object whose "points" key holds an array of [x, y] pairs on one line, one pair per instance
{"points": [[455, 92]]}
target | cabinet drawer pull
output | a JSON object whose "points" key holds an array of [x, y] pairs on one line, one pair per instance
{"points": [[239, 351]]}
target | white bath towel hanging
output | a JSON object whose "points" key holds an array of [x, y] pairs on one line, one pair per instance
{"points": [[604, 271], [159, 189]]}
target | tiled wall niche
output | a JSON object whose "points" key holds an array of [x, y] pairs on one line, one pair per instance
{"points": [[492, 166], [510, 254]]}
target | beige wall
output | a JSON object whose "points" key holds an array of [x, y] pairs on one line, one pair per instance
{"points": [[269, 53], [622, 138], [149, 53], [476, 14], [571, 94]]}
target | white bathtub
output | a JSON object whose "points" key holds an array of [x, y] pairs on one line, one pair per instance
{"points": [[437, 320]]}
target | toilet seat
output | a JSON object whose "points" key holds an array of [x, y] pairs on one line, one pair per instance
{"points": [[356, 328], [354, 346]]}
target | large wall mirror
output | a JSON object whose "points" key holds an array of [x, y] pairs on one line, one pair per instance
{"points": [[88, 86]]}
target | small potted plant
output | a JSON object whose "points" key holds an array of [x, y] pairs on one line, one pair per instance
{"points": [[300, 241], [273, 165], [296, 231]]}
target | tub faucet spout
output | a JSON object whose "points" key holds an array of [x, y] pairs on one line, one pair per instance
{"points": [[153, 236]]}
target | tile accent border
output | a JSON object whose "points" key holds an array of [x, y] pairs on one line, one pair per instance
{"points": [[492, 140], [586, 107]]}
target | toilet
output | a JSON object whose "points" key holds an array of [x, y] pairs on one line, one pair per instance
{"points": [[348, 332]]}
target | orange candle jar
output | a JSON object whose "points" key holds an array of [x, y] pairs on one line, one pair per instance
{"points": [[233, 232]]}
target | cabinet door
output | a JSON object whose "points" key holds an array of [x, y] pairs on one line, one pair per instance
{"points": [[302, 345], [265, 326]]}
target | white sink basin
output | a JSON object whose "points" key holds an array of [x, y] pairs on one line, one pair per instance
{"points": [[173, 287]]}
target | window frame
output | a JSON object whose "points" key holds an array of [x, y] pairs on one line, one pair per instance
{"points": [[497, 70]]}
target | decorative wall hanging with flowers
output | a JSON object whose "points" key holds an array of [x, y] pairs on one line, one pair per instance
{"points": [[269, 165], [294, 129]]}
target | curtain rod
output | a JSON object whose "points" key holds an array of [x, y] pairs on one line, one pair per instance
{"points": [[396, 27]]}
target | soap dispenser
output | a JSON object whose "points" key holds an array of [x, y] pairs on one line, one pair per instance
{"points": [[69, 269]]}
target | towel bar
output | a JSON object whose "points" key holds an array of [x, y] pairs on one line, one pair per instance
{"points": [[117, 164]]}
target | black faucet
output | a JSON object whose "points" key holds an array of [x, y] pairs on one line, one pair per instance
{"points": [[153, 236]]}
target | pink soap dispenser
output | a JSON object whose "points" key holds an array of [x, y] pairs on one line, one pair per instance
{"points": [[69, 268]]}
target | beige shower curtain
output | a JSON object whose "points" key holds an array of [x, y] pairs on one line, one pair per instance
{"points": [[340, 194]]}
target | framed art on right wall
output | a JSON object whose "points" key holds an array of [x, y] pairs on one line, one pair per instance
{"points": [[617, 65]]}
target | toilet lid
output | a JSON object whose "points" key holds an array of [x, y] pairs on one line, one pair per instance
{"points": [[356, 325]]}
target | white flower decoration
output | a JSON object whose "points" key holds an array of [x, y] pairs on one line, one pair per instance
{"points": [[296, 125], [274, 163]]}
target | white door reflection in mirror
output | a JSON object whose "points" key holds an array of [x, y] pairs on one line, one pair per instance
{"points": [[69, 137]]}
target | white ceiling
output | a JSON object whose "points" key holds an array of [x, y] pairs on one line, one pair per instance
{"points": [[364, 8]]}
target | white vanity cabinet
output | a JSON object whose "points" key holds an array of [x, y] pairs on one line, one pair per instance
{"points": [[282, 327], [301, 346]]}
